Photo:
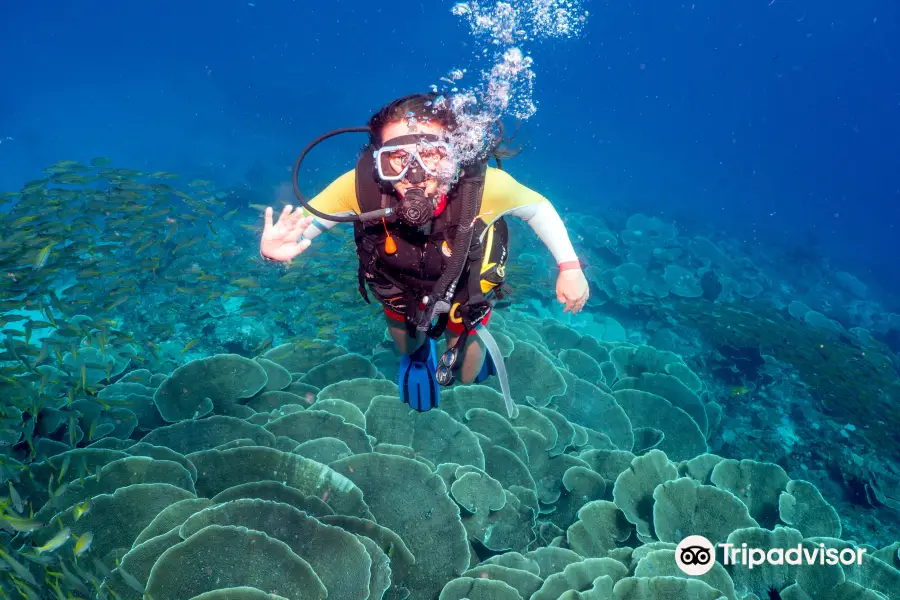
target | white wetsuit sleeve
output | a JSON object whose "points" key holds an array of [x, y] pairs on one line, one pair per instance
{"points": [[503, 195], [548, 226], [319, 226], [339, 199]]}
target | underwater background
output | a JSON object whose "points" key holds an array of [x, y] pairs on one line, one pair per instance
{"points": [[181, 419]]}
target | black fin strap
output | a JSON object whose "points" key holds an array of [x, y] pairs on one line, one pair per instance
{"points": [[438, 328], [368, 257], [412, 311], [361, 276]]}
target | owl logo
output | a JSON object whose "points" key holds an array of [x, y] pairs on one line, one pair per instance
{"points": [[695, 555]]}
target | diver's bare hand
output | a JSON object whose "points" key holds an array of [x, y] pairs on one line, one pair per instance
{"points": [[279, 240], [572, 290]]}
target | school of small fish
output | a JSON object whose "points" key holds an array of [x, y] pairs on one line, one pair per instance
{"points": [[103, 269]]}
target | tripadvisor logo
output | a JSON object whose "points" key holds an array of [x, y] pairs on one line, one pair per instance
{"points": [[695, 555]]}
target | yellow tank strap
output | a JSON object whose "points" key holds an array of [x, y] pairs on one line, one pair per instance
{"points": [[486, 285]]}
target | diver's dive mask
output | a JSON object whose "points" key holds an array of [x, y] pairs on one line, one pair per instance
{"points": [[414, 158]]}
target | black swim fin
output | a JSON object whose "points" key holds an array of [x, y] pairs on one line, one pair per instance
{"points": [[418, 386]]}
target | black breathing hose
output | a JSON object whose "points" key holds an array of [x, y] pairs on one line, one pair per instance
{"points": [[471, 190], [374, 215], [470, 193]]}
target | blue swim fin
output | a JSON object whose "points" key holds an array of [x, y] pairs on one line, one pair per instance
{"points": [[487, 368], [418, 386]]}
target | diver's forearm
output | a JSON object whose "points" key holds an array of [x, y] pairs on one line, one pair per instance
{"points": [[548, 226], [317, 228]]}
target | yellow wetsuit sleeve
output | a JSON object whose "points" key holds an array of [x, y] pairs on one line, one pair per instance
{"points": [[503, 196], [339, 198]]}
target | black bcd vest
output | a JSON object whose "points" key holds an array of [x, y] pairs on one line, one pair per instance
{"points": [[420, 257]]}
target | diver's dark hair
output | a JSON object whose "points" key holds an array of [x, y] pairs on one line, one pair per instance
{"points": [[420, 105], [423, 106]]}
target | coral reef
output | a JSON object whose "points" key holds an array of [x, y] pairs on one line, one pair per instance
{"points": [[340, 491]]}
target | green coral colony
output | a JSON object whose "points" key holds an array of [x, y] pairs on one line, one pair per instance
{"points": [[295, 472]]}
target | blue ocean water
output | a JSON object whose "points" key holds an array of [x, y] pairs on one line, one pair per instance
{"points": [[770, 127], [775, 122]]}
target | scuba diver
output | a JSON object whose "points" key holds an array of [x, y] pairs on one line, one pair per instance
{"points": [[431, 240]]}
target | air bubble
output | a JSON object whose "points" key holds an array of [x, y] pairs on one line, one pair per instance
{"points": [[460, 9], [506, 84]]}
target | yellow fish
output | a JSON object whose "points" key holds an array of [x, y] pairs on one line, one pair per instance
{"points": [[190, 345], [42, 257], [55, 542], [83, 543], [130, 579], [15, 498], [265, 345], [82, 509], [55, 586], [171, 231], [739, 391], [66, 460], [21, 524], [247, 282], [19, 568]]}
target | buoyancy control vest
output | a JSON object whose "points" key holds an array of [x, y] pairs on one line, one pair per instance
{"points": [[422, 253]]}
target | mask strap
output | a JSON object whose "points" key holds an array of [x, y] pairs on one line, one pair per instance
{"points": [[412, 138]]}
